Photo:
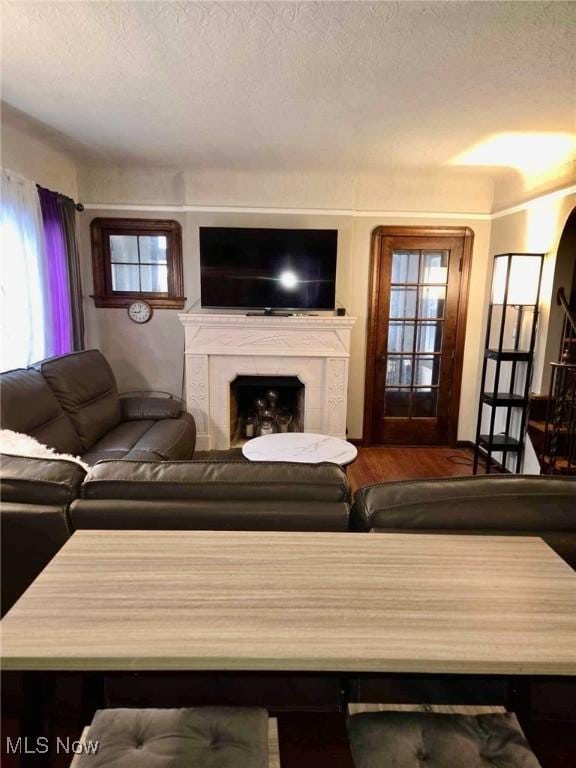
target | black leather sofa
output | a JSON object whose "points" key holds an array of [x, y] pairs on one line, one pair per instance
{"points": [[499, 505], [71, 403]]}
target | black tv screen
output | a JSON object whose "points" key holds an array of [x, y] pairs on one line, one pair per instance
{"points": [[244, 268]]}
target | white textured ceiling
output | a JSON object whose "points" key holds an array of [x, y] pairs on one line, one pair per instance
{"points": [[346, 86]]}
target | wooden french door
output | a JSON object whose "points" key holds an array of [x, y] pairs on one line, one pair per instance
{"points": [[416, 334]]}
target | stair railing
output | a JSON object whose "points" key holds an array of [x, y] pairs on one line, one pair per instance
{"points": [[559, 453]]}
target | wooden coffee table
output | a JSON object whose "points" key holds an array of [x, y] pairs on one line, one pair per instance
{"points": [[272, 601], [302, 447]]}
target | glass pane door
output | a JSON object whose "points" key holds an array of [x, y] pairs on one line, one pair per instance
{"points": [[418, 286]]}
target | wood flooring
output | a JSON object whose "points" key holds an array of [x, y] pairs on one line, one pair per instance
{"points": [[377, 465]]}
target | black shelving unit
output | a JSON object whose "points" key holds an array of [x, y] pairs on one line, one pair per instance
{"points": [[508, 357]]}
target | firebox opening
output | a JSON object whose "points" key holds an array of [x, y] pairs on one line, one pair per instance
{"points": [[263, 405]]}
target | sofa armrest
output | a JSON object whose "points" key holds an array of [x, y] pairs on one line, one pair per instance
{"points": [[136, 407], [26, 480], [31, 535]]}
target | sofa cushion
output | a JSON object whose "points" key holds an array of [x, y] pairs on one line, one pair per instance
{"points": [[209, 737], [168, 439], [93, 457], [117, 443], [123, 437], [209, 515], [408, 739], [146, 440], [85, 387], [29, 406], [39, 481], [219, 481]]}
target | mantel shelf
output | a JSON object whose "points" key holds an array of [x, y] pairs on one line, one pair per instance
{"points": [[272, 321]]}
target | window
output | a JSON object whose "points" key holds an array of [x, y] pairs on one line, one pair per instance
{"points": [[40, 292], [137, 259]]}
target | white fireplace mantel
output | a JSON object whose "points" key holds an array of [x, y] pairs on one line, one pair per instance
{"points": [[220, 347]]}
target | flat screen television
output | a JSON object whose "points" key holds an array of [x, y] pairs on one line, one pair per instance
{"points": [[275, 269]]}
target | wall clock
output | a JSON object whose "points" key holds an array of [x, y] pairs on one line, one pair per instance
{"points": [[140, 311]]}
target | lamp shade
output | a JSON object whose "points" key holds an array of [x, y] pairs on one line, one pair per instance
{"points": [[522, 278]]}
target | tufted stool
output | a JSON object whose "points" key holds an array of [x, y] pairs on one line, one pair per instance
{"points": [[208, 737], [420, 739]]}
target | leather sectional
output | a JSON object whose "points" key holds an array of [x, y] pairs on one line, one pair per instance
{"points": [[143, 478]]}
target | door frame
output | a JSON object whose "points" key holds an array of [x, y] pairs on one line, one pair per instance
{"points": [[467, 236]]}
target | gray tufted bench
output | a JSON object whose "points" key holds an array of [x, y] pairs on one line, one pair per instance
{"points": [[208, 737], [418, 739]]}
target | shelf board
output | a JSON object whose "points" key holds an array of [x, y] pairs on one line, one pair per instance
{"points": [[500, 443], [504, 399], [517, 355]]}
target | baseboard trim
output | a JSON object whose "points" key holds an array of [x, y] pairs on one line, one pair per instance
{"points": [[359, 443]]}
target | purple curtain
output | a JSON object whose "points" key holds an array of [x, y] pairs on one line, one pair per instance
{"points": [[67, 209], [57, 275]]}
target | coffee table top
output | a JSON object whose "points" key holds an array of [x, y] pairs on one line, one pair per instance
{"points": [[302, 447], [350, 602]]}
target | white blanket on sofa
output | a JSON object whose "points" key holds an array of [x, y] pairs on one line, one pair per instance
{"points": [[18, 444]]}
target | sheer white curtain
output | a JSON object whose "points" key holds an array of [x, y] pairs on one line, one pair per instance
{"points": [[24, 331]]}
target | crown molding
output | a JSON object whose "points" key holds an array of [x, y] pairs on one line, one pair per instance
{"points": [[343, 212], [558, 194]]}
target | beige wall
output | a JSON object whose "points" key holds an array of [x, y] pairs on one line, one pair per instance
{"points": [[538, 229], [152, 355], [31, 152], [449, 191]]}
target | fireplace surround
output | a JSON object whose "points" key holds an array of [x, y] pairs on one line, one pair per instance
{"points": [[221, 347]]}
